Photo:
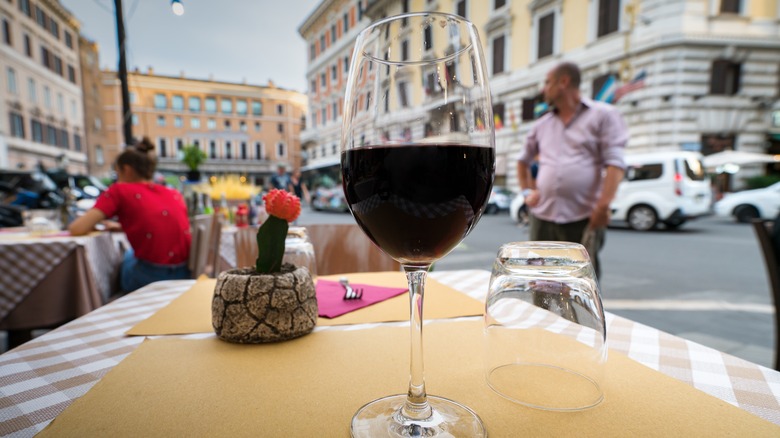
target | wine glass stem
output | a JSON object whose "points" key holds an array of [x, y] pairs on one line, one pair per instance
{"points": [[416, 406]]}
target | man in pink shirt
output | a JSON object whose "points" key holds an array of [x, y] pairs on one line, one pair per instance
{"points": [[579, 147]]}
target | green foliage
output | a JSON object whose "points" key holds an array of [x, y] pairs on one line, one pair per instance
{"points": [[270, 245], [761, 181], [193, 157]]}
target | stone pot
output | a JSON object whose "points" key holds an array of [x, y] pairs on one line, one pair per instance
{"points": [[252, 308]]}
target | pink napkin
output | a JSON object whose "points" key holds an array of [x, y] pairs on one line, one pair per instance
{"points": [[331, 302]]}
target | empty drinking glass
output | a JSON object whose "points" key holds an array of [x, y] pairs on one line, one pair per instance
{"points": [[545, 335]]}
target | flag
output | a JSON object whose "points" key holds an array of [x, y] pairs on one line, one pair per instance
{"points": [[607, 91], [497, 123], [513, 121], [635, 84]]}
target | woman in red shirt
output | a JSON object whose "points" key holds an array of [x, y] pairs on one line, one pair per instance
{"points": [[153, 217]]}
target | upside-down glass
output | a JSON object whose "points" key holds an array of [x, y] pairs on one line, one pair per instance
{"points": [[545, 335], [417, 161]]}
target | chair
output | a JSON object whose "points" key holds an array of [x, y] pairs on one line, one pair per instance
{"points": [[772, 260], [246, 246], [342, 248], [204, 251]]}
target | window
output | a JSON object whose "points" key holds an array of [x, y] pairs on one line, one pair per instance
{"points": [[404, 50], [64, 139], [51, 135], [228, 150], [73, 110], [243, 151], [71, 74], [546, 35], [609, 16], [529, 107], [280, 150], [27, 46], [403, 100], [54, 28], [68, 39], [322, 43], [725, 77], [460, 8], [98, 123], [335, 110], [45, 60], [346, 64], [227, 124], [498, 54], [258, 150], [211, 124], [17, 124], [280, 109], [11, 77], [242, 126], [135, 119], [177, 122], [77, 142], [730, 6], [241, 108], [333, 33], [312, 52], [46, 96], [37, 131], [179, 148], [498, 4], [280, 127], [226, 105], [160, 101], [57, 65], [313, 86], [212, 149], [257, 108], [177, 102], [195, 123], [161, 121], [99, 159], [60, 103], [24, 6], [333, 72], [133, 97], [345, 22], [32, 90], [194, 104], [162, 149], [211, 105], [7, 32], [258, 126], [644, 172], [323, 80], [427, 38]]}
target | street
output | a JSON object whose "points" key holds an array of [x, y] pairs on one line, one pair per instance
{"points": [[705, 282]]}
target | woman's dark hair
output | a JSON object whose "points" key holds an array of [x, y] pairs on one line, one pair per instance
{"points": [[140, 157]]}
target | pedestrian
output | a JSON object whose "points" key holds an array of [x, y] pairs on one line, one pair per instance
{"points": [[580, 147], [280, 180], [298, 187], [153, 217]]}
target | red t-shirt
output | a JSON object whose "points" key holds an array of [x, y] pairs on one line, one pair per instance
{"points": [[153, 217]]}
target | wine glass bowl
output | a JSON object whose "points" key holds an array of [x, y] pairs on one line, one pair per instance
{"points": [[418, 162], [545, 333]]}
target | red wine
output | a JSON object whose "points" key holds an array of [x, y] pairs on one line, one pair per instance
{"points": [[415, 201]]}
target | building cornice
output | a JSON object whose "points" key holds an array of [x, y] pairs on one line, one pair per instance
{"points": [[321, 9]]}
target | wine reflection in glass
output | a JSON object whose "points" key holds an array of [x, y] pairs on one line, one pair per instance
{"points": [[418, 161]]}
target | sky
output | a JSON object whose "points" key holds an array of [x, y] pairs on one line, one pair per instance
{"points": [[233, 40]]}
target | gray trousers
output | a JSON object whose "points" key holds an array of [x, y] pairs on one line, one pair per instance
{"points": [[540, 229]]}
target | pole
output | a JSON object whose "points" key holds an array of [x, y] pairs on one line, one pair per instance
{"points": [[127, 118]]}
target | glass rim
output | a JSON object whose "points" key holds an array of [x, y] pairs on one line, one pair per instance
{"points": [[371, 27]]}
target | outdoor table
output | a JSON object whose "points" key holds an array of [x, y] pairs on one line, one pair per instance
{"points": [[51, 279], [40, 379]]}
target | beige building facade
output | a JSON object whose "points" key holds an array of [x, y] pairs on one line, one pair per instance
{"points": [[41, 112], [699, 75], [99, 158], [243, 129]]}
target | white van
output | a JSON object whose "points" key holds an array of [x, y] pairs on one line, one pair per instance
{"points": [[665, 186]]}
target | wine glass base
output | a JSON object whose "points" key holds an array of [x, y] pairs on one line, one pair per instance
{"points": [[382, 417]]}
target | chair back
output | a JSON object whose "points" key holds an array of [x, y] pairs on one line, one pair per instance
{"points": [[772, 261], [246, 246], [204, 250], [342, 248]]}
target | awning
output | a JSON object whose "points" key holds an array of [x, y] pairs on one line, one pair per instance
{"points": [[738, 158]]}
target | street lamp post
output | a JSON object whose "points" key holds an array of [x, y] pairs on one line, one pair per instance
{"points": [[127, 118]]}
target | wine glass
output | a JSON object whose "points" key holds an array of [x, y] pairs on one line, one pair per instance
{"points": [[545, 334], [418, 161]]}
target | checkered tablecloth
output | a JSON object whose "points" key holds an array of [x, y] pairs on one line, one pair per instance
{"points": [[41, 378], [26, 261]]}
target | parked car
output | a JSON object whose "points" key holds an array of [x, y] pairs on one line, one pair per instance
{"points": [[518, 210], [500, 199], [80, 186], [666, 187], [750, 204], [31, 189], [331, 199]]}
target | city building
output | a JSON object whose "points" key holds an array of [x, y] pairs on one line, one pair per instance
{"points": [[41, 112], [243, 129], [701, 75], [99, 158]]}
